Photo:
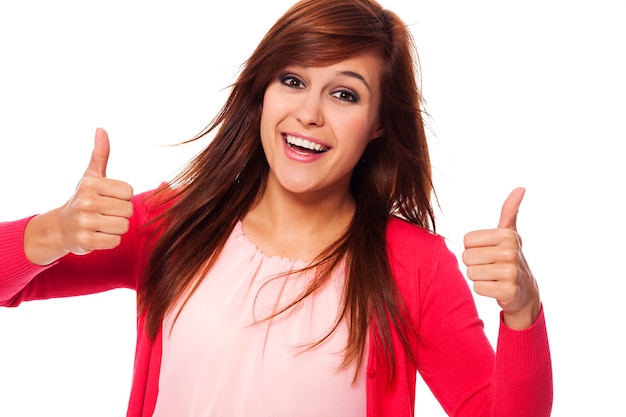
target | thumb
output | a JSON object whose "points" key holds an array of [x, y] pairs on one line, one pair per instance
{"points": [[99, 156], [508, 216]]}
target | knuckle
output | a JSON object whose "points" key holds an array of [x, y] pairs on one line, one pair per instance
{"points": [[83, 223], [510, 291], [510, 271], [83, 239], [465, 257], [510, 238], [478, 288], [129, 191], [130, 209], [87, 183], [125, 226], [509, 255], [121, 189], [115, 241], [86, 204], [471, 272], [469, 240]]}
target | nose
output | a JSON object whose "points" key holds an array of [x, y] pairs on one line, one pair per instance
{"points": [[309, 111]]}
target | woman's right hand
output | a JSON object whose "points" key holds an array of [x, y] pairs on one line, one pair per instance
{"points": [[95, 218]]}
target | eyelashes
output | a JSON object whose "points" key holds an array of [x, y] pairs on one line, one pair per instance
{"points": [[291, 80], [346, 95], [342, 93]]}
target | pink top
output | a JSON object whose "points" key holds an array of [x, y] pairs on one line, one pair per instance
{"points": [[257, 364]]}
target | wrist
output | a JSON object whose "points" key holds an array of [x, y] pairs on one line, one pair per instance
{"points": [[523, 318], [41, 237]]}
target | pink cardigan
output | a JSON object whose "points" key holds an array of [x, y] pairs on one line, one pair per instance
{"points": [[453, 355]]}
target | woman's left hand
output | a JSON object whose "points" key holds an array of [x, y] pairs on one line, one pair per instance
{"points": [[498, 269]]}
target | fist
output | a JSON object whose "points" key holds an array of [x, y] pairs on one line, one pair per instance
{"points": [[98, 213], [497, 267]]}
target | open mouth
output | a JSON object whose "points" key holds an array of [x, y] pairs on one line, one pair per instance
{"points": [[304, 146]]}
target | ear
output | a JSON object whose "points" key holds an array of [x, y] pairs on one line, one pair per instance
{"points": [[378, 132]]}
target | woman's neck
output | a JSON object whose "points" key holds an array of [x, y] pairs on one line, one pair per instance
{"points": [[297, 227]]}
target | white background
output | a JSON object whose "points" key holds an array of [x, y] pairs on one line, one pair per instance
{"points": [[530, 94]]}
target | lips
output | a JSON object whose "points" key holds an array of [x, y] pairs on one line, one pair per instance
{"points": [[300, 145]]}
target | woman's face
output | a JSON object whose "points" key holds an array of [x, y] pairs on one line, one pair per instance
{"points": [[317, 121]]}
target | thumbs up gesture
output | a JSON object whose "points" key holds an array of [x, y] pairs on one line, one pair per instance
{"points": [[94, 218], [497, 267]]}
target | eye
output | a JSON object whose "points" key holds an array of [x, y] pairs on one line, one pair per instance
{"points": [[291, 80], [346, 95]]}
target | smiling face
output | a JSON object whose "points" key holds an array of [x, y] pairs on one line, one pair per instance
{"points": [[317, 121]]}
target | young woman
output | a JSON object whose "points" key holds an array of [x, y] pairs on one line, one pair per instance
{"points": [[291, 268]]}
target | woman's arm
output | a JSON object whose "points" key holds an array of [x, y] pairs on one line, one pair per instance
{"points": [[457, 361], [77, 248], [71, 275]]}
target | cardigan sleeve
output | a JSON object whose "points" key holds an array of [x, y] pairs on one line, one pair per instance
{"points": [[15, 269], [72, 275], [458, 363]]}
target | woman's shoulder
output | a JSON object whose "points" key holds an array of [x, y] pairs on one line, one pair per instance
{"points": [[152, 203], [414, 247], [150, 210], [401, 232]]}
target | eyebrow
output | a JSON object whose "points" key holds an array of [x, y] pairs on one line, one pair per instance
{"points": [[357, 76]]}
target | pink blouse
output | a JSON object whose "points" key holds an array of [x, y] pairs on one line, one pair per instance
{"points": [[257, 367]]}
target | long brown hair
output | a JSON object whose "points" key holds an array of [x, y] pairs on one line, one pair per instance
{"points": [[393, 177]]}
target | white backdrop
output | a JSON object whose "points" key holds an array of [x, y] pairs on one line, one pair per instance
{"points": [[529, 94]]}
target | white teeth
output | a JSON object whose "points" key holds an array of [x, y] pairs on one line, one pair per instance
{"points": [[303, 143]]}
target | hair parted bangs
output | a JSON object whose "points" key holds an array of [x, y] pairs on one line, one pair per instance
{"points": [[319, 33]]}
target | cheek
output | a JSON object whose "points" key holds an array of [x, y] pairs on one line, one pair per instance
{"points": [[356, 137], [265, 127], [360, 130], [271, 113]]}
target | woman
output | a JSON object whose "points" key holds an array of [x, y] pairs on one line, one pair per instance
{"points": [[289, 268]]}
